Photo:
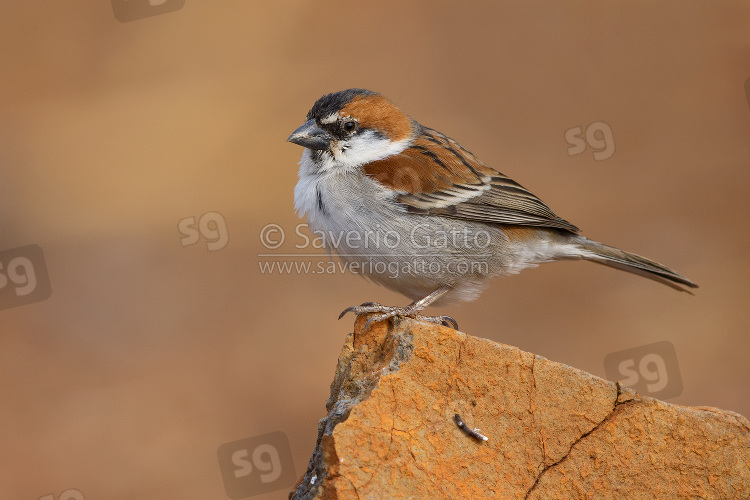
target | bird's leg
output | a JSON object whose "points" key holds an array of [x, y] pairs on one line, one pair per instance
{"points": [[410, 311]]}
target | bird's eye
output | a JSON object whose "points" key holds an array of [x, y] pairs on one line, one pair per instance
{"points": [[349, 126]]}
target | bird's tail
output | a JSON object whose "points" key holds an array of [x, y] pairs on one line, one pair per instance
{"points": [[614, 257]]}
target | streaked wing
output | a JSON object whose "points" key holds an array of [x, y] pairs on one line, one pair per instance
{"points": [[463, 187]]}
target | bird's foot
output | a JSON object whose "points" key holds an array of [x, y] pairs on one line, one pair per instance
{"points": [[383, 313]]}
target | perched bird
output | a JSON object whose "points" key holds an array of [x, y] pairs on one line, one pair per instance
{"points": [[413, 210]]}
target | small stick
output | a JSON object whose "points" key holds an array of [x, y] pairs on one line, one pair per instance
{"points": [[473, 433]]}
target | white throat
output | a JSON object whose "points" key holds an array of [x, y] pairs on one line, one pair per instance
{"points": [[317, 178]]}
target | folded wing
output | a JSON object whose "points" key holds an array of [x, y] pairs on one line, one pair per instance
{"points": [[437, 176]]}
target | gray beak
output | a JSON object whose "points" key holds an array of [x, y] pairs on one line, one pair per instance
{"points": [[311, 136]]}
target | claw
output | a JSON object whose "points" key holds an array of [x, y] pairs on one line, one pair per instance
{"points": [[355, 308], [376, 317], [348, 309], [449, 322], [381, 313]]}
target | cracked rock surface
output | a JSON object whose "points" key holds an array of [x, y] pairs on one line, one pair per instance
{"points": [[554, 431]]}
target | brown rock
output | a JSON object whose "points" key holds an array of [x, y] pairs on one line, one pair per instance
{"points": [[554, 431]]}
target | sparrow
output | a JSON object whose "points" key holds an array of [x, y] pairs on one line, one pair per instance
{"points": [[413, 210]]}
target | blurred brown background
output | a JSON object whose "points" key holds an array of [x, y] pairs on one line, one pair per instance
{"points": [[149, 354]]}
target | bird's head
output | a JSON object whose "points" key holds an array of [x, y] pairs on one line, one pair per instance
{"points": [[347, 129]]}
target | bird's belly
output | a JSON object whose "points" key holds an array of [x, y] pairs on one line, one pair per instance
{"points": [[412, 254]]}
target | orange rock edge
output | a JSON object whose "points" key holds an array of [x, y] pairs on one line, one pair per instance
{"points": [[554, 431]]}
